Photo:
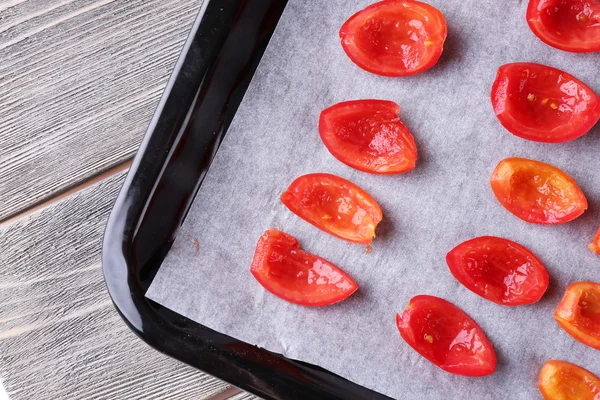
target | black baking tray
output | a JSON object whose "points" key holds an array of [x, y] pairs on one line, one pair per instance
{"points": [[210, 78]]}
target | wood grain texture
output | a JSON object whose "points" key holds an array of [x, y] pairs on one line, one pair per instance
{"points": [[60, 336], [234, 393], [79, 81], [244, 396]]}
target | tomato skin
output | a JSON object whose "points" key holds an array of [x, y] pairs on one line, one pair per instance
{"points": [[499, 270], [395, 37], [561, 380], [334, 205], [445, 335], [595, 245], [537, 192], [569, 25], [294, 275], [578, 313], [368, 135], [543, 104]]}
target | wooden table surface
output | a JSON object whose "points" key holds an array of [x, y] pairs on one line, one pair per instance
{"points": [[79, 81]]}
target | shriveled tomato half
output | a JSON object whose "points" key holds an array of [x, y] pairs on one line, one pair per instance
{"points": [[561, 380], [395, 37], [595, 245], [499, 270], [335, 205], [578, 313], [292, 274], [543, 104], [368, 135], [445, 335], [537, 192], [569, 25]]}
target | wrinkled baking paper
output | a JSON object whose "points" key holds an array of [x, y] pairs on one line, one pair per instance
{"points": [[444, 201]]}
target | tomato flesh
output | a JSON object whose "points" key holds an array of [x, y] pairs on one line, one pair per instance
{"points": [[499, 270], [335, 205], [292, 274], [578, 313], [446, 336], [595, 245], [543, 104], [368, 135], [537, 192], [395, 37], [561, 380], [569, 25]]}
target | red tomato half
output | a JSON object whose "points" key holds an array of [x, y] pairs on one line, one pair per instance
{"points": [[537, 192], [446, 336], [578, 313], [369, 136], [543, 104], [292, 274], [569, 25], [335, 205], [561, 380], [395, 37], [499, 270], [595, 245]]}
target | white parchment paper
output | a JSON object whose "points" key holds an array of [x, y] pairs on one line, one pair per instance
{"points": [[444, 201]]}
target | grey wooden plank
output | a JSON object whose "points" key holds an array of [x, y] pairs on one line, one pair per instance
{"points": [[60, 336], [244, 396], [79, 80]]}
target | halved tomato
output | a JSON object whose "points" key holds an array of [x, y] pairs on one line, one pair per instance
{"points": [[395, 37], [445, 335], [595, 245], [335, 205], [499, 270], [561, 380], [543, 104], [537, 192], [569, 25], [578, 313], [292, 274], [368, 135]]}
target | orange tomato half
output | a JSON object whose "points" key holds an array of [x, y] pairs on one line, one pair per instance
{"points": [[537, 192], [578, 313], [565, 381]]}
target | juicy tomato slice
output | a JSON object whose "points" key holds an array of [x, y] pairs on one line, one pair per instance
{"points": [[543, 104], [569, 25], [395, 37], [445, 335], [537, 192], [561, 380], [335, 205], [368, 135], [499, 270], [595, 245], [578, 313], [292, 274]]}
